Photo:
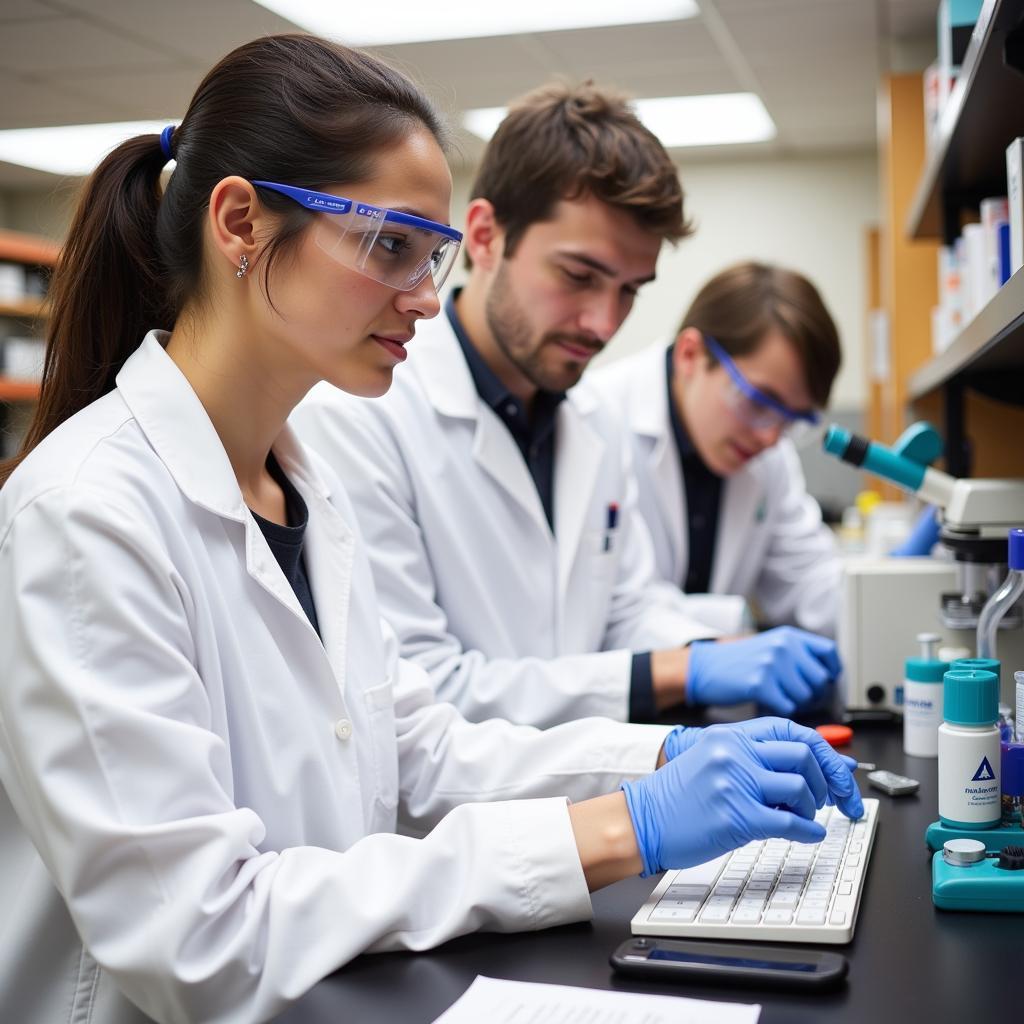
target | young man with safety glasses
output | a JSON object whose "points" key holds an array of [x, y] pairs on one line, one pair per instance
{"points": [[712, 421], [499, 506]]}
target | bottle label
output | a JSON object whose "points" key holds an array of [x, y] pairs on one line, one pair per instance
{"points": [[969, 776]]}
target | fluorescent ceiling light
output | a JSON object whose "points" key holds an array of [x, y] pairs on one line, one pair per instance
{"points": [[678, 121], [73, 149], [412, 21]]}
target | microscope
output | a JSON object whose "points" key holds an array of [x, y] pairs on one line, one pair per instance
{"points": [[888, 601]]}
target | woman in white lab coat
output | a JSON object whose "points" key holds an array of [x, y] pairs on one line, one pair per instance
{"points": [[205, 734]]}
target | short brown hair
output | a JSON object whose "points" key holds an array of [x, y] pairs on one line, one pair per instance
{"points": [[565, 142], [739, 306]]}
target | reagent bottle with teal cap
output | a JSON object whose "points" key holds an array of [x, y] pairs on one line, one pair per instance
{"points": [[969, 754]]}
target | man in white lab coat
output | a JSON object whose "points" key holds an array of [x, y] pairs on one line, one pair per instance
{"points": [[500, 511], [721, 488]]}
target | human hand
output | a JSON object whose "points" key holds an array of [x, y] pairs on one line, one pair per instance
{"points": [[724, 791], [837, 769], [783, 669]]}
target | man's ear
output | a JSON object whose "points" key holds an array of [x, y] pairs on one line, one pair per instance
{"points": [[689, 350], [237, 221], [484, 238]]}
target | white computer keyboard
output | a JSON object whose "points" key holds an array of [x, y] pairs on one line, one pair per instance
{"points": [[773, 890]]}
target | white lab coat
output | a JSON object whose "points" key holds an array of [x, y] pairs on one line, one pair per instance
{"points": [[212, 792], [508, 619], [771, 546]]}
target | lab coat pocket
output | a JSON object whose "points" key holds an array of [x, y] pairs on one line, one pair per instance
{"points": [[380, 706], [602, 550]]}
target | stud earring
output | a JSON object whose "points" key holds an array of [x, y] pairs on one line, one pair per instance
{"points": [[243, 266]]}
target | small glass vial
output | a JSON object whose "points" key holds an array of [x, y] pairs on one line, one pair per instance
{"points": [[1005, 723], [969, 750]]}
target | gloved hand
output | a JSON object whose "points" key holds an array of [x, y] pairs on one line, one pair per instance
{"points": [[923, 536], [836, 768], [784, 669], [723, 792]]}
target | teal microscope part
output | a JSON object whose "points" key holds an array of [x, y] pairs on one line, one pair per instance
{"points": [[982, 886], [994, 839], [904, 462]]}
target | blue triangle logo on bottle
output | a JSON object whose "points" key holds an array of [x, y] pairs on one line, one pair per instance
{"points": [[984, 772]]}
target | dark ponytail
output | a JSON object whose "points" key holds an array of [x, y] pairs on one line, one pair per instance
{"points": [[291, 108]]}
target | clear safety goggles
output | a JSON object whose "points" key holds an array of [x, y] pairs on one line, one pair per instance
{"points": [[394, 248], [751, 405]]}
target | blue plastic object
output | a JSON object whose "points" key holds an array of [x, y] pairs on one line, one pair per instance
{"points": [[837, 768], [680, 818], [982, 886], [1011, 771], [926, 670], [1015, 553], [937, 834], [782, 669], [923, 536], [970, 696]]}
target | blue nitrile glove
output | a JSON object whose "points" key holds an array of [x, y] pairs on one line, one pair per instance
{"points": [[783, 669], [723, 792], [923, 536], [837, 768]]}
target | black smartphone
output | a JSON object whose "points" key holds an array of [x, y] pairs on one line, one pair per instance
{"points": [[728, 963]]}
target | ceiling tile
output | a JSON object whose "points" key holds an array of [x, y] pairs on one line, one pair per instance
{"points": [[63, 46], [199, 30], [30, 104], [151, 92], [24, 10]]}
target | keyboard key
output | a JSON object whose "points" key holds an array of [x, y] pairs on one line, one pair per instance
{"points": [[810, 916], [680, 892], [746, 915], [720, 901], [660, 913], [715, 915], [845, 888], [838, 917], [777, 917], [726, 888], [701, 874]]}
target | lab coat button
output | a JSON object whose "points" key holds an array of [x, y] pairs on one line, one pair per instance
{"points": [[343, 728]]}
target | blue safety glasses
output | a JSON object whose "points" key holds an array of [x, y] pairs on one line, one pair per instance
{"points": [[394, 248], [758, 410]]}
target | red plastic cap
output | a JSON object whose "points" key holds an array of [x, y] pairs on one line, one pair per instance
{"points": [[836, 735]]}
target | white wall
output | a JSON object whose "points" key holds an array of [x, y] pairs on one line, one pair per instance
{"points": [[808, 214]]}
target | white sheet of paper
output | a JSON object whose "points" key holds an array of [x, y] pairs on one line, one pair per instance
{"points": [[522, 1002]]}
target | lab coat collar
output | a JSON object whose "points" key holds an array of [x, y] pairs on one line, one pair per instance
{"points": [[175, 423], [647, 414], [441, 368], [647, 404], [438, 363]]}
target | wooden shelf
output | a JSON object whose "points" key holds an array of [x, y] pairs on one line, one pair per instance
{"points": [[992, 341], [13, 390], [985, 113], [29, 309], [16, 247]]}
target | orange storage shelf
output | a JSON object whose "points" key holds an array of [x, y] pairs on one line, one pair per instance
{"points": [[29, 309], [13, 390], [16, 247]]}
